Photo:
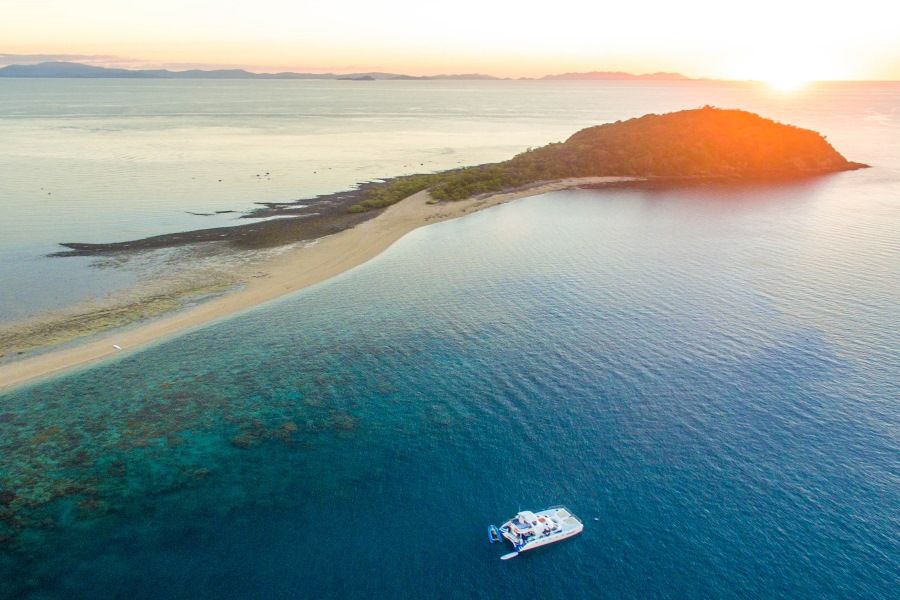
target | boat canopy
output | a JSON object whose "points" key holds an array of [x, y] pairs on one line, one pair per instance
{"points": [[526, 516]]}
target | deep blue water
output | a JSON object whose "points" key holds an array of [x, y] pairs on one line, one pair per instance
{"points": [[707, 377]]}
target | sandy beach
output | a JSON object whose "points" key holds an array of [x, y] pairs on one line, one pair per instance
{"points": [[282, 274]]}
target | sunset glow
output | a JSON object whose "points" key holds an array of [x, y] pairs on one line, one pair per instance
{"points": [[787, 83], [793, 41], [787, 69], [303, 298]]}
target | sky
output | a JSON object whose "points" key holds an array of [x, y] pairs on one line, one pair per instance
{"points": [[764, 39]]}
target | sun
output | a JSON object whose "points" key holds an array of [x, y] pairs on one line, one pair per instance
{"points": [[784, 71], [786, 82], [785, 75]]}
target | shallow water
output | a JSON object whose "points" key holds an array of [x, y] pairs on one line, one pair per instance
{"points": [[110, 160], [708, 377]]}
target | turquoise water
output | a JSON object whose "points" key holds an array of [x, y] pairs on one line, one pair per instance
{"points": [[110, 160], [708, 377]]}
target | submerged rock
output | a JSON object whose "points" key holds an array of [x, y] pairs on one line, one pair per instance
{"points": [[244, 440], [342, 421], [251, 435], [45, 435], [80, 458], [285, 432], [92, 504], [117, 468]]}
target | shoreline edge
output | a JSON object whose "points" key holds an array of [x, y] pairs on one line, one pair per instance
{"points": [[284, 274]]}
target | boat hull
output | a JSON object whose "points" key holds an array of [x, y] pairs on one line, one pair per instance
{"points": [[550, 539], [528, 530]]}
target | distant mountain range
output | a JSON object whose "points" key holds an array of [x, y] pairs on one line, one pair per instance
{"points": [[617, 76], [79, 70]]}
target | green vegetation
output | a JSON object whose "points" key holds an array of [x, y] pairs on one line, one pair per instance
{"points": [[705, 142], [394, 190], [459, 184]]}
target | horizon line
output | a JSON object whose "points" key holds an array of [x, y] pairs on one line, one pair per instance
{"points": [[390, 75]]}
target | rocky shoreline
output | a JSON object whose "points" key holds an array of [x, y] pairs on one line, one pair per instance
{"points": [[287, 222]]}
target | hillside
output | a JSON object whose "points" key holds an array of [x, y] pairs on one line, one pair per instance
{"points": [[700, 143], [704, 142], [615, 76], [81, 71]]}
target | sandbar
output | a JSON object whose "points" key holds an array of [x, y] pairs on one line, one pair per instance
{"points": [[281, 274]]}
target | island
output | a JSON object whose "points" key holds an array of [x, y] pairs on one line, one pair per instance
{"points": [[74, 70], [328, 235], [704, 143]]}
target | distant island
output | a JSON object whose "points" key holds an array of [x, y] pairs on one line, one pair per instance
{"points": [[60, 69], [616, 76], [704, 143], [81, 71]]}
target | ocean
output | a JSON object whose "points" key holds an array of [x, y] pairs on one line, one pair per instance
{"points": [[102, 160], [707, 376]]}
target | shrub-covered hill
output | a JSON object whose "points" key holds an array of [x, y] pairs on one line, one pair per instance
{"points": [[705, 142]]}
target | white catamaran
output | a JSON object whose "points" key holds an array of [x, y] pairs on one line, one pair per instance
{"points": [[529, 530]]}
